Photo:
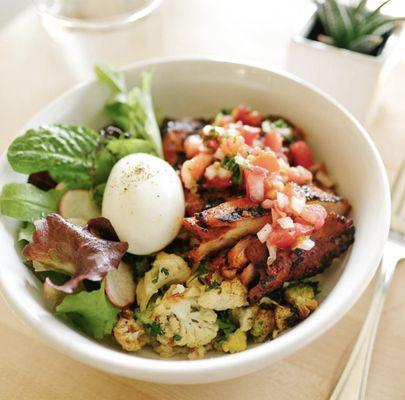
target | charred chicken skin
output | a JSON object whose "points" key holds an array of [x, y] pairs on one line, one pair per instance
{"points": [[254, 207]]}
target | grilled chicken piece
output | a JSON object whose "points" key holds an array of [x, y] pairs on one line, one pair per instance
{"points": [[333, 239], [223, 225], [331, 201], [174, 134]]}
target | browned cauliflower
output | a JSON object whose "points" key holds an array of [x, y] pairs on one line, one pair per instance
{"points": [[282, 317], [128, 333], [263, 325], [166, 269], [235, 342], [302, 297]]}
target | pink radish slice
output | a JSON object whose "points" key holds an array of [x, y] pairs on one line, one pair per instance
{"points": [[78, 205], [120, 286]]}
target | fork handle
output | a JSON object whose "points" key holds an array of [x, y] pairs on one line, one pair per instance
{"points": [[353, 381]]}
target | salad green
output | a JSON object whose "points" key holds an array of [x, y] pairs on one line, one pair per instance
{"points": [[90, 311]]}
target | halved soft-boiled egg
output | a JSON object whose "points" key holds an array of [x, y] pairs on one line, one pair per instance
{"points": [[144, 202]]}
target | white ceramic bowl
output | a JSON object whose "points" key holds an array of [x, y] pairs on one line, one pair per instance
{"points": [[195, 87]]}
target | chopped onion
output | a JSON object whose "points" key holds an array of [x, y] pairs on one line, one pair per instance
{"points": [[282, 200], [266, 126], [286, 222], [219, 154], [211, 172], [264, 233], [322, 177], [224, 173], [272, 253], [297, 204], [307, 244]]}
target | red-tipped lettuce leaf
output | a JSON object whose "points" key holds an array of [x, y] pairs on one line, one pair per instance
{"points": [[64, 247]]}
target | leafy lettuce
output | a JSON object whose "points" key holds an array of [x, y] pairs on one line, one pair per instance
{"points": [[27, 203], [73, 250], [132, 110], [92, 312], [66, 152]]}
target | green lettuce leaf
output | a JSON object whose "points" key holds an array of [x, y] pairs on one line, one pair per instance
{"points": [[114, 151], [132, 111], [66, 152], [25, 232], [114, 80], [26, 202], [92, 312]]}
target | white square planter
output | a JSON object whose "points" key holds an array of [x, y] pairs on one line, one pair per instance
{"points": [[352, 78]]}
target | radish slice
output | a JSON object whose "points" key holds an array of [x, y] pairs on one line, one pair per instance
{"points": [[120, 286], [78, 205]]}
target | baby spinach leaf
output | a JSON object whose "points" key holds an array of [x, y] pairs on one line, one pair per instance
{"points": [[26, 202], [66, 152], [92, 312]]}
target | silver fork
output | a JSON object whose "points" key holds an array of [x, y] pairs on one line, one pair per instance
{"points": [[352, 383]]}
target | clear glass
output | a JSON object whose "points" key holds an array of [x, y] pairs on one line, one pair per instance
{"points": [[95, 14]]}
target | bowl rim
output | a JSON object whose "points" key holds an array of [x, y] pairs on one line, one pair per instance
{"points": [[207, 369]]}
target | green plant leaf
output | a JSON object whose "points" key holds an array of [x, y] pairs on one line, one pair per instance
{"points": [[114, 151], [66, 152], [92, 312], [132, 111], [26, 202], [113, 79], [25, 232], [366, 44]]}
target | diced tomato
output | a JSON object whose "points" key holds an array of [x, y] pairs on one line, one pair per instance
{"points": [[192, 145], [247, 116], [253, 118], [223, 120], [302, 154], [267, 161], [212, 144], [273, 140], [231, 145], [287, 238], [219, 183], [299, 175], [254, 184], [250, 134], [314, 214]]}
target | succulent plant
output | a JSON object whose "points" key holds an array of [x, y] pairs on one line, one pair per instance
{"points": [[354, 27]]}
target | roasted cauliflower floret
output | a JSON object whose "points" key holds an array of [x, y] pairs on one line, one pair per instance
{"points": [[181, 319], [263, 325], [302, 297], [245, 316], [166, 269], [283, 316], [129, 333], [235, 342], [224, 296]]}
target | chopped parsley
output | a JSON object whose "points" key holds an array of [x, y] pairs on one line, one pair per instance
{"points": [[154, 329], [280, 123], [176, 337], [226, 111], [226, 326], [213, 285], [165, 271], [231, 165], [154, 280], [202, 268]]}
